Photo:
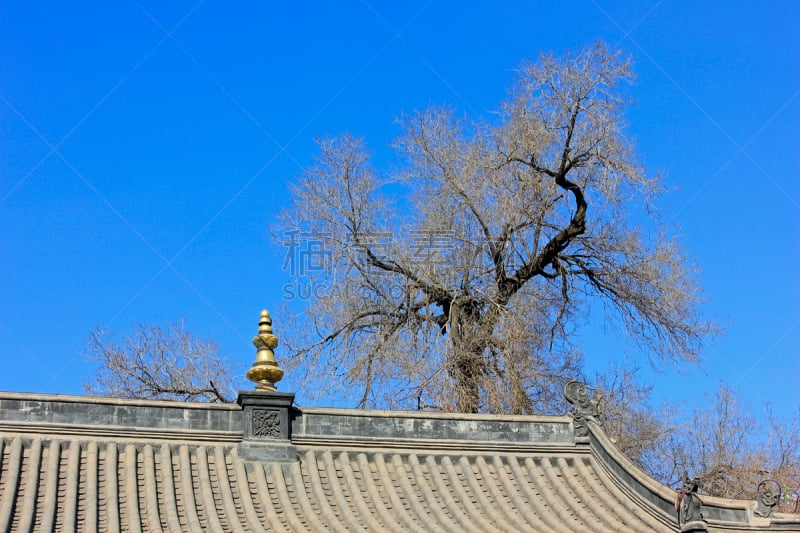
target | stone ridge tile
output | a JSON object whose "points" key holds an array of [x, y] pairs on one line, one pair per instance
{"points": [[340, 425], [171, 416]]}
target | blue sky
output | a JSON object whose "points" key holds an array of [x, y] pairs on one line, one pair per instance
{"points": [[145, 148]]}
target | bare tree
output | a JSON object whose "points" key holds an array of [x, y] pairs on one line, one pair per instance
{"points": [[637, 428], [719, 446], [456, 278], [159, 363], [783, 459], [725, 445]]}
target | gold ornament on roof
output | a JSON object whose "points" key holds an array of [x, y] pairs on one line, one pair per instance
{"points": [[265, 372]]}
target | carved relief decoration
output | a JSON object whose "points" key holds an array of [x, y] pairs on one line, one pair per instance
{"points": [[266, 423], [583, 407], [769, 493], [688, 503]]}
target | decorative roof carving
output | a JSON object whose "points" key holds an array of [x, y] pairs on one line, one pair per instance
{"points": [[267, 423], [688, 504], [767, 497], [583, 407]]}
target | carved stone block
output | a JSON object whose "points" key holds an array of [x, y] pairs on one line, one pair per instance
{"points": [[266, 415], [266, 423]]}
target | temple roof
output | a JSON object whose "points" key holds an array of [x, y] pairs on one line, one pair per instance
{"points": [[84, 463]]}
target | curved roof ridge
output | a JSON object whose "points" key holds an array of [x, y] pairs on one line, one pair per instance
{"points": [[730, 514]]}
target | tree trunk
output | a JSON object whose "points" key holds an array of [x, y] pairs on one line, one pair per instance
{"points": [[467, 372], [466, 354]]}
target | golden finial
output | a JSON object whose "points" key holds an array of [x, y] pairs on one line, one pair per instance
{"points": [[265, 372]]}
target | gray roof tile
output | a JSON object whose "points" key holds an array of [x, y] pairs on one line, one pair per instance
{"points": [[61, 484], [59, 475]]}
